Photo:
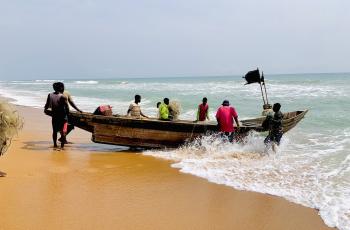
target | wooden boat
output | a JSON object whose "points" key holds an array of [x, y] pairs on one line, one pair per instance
{"points": [[154, 133]]}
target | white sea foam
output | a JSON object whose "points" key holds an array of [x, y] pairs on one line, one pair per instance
{"points": [[303, 177], [86, 82], [49, 80]]}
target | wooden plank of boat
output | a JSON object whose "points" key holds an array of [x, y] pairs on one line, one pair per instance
{"points": [[154, 133]]}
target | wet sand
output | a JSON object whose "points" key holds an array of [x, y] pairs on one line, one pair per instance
{"points": [[91, 186]]}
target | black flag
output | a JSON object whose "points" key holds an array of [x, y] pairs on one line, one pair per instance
{"points": [[252, 77]]}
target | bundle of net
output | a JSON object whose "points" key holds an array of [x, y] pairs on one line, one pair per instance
{"points": [[175, 109], [10, 124]]}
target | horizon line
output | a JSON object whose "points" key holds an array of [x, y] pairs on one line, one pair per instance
{"points": [[168, 76]]}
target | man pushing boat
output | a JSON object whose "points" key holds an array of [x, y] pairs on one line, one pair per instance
{"points": [[274, 125], [57, 102], [225, 116]]}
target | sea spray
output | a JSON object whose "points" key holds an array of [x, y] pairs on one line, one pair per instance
{"points": [[250, 166], [10, 124]]}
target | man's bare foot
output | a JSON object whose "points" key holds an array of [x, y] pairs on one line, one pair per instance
{"points": [[65, 142], [2, 174]]}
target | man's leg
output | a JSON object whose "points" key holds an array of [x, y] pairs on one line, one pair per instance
{"points": [[267, 143], [54, 132], [63, 139], [278, 138], [69, 129], [54, 138], [231, 136], [64, 133]]}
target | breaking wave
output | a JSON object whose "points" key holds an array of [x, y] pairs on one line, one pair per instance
{"points": [[302, 176], [86, 82]]}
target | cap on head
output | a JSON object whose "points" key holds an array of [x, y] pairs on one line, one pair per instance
{"points": [[225, 103]]}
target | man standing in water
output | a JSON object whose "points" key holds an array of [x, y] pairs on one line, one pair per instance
{"points": [[203, 110], [275, 127], [135, 109], [59, 111], [225, 116]]}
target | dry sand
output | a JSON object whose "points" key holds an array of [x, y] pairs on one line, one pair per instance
{"points": [[91, 186]]}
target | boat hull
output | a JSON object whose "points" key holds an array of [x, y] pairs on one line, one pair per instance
{"points": [[154, 133]]}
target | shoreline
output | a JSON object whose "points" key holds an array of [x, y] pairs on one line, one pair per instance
{"points": [[92, 186]]}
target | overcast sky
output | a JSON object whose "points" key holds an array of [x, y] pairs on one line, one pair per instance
{"points": [[42, 39]]}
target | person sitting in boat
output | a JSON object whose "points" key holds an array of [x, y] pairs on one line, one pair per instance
{"points": [[225, 116], [158, 104], [203, 110], [275, 127], [135, 109], [164, 113]]}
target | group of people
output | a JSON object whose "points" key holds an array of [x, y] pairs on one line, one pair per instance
{"points": [[226, 115], [165, 112]]}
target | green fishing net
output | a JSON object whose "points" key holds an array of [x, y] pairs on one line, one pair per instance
{"points": [[10, 124]]}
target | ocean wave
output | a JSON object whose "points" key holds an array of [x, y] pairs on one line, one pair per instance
{"points": [[91, 82], [278, 90], [300, 177], [49, 80]]}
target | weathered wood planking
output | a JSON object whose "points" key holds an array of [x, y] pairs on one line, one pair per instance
{"points": [[153, 133]]}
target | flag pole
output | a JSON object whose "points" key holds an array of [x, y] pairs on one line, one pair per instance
{"points": [[267, 100], [262, 94]]}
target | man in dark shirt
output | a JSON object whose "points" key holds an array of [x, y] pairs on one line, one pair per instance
{"points": [[57, 102], [275, 127]]}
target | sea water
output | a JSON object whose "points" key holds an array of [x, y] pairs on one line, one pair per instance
{"points": [[311, 166]]}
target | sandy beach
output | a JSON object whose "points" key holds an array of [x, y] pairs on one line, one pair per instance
{"points": [[90, 186]]}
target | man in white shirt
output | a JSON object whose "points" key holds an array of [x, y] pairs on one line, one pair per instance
{"points": [[135, 109]]}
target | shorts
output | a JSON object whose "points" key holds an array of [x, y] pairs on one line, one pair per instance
{"points": [[274, 137], [58, 125]]}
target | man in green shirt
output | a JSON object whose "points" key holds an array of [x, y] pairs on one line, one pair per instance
{"points": [[164, 110]]}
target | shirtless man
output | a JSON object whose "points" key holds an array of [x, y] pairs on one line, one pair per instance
{"points": [[57, 102]]}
